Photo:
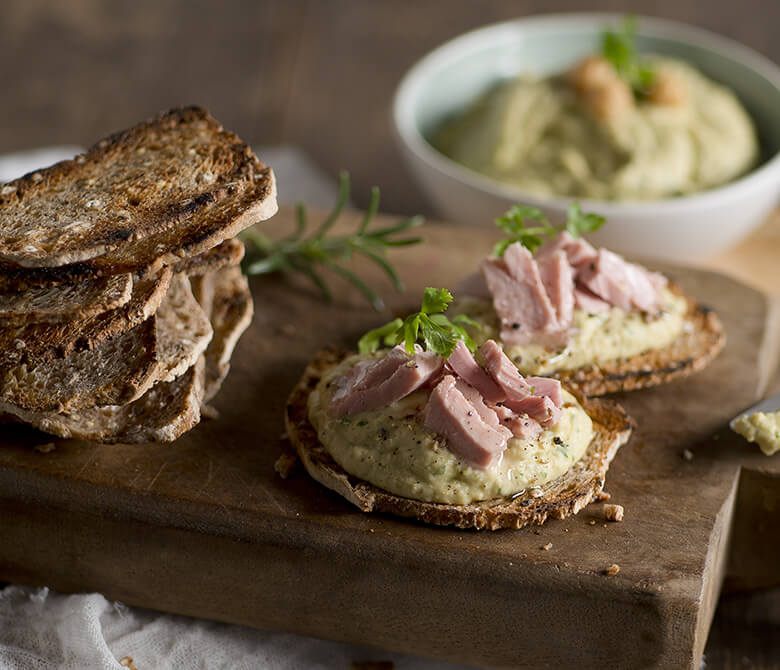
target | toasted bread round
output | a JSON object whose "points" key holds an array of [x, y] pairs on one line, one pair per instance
{"points": [[558, 499], [700, 342]]}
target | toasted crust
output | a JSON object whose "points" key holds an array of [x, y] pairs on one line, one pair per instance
{"points": [[231, 313], [66, 302], [162, 414], [39, 342], [701, 341], [224, 255], [557, 499], [122, 190], [121, 369], [147, 223], [117, 372]]}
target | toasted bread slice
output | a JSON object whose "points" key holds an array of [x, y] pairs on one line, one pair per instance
{"points": [[66, 302], [162, 414], [557, 499], [231, 314], [171, 188], [126, 188], [121, 369], [700, 342], [39, 342], [115, 373], [224, 255]]}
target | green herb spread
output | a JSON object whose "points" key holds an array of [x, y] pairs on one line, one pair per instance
{"points": [[391, 449], [595, 338]]}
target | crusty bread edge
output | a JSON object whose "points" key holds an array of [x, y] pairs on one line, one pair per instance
{"points": [[690, 352], [557, 499]]}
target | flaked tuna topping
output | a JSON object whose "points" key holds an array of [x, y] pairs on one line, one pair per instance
{"points": [[578, 251], [535, 286], [621, 283], [449, 413], [519, 296], [475, 409], [588, 301], [462, 363], [380, 382], [500, 367]]}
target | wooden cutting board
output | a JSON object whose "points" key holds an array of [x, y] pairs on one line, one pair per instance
{"points": [[205, 527]]}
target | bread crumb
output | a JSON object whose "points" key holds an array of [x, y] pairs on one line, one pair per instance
{"points": [[612, 570], [687, 455], [127, 662], [592, 522], [285, 464], [372, 665], [547, 546], [209, 412], [613, 512], [603, 496], [45, 448]]}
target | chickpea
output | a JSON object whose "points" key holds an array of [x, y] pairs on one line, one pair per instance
{"points": [[592, 73], [610, 102], [668, 88]]}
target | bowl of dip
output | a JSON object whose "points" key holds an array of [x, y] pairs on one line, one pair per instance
{"points": [[485, 121]]}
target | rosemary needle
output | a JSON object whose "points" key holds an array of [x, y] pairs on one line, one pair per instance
{"points": [[309, 255]]}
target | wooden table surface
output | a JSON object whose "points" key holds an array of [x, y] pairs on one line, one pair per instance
{"points": [[319, 75]]}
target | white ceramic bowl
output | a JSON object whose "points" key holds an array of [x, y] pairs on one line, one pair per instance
{"points": [[680, 228]]}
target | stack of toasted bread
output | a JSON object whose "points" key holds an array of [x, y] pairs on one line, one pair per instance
{"points": [[121, 295]]}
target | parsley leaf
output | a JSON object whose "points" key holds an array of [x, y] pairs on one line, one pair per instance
{"points": [[435, 300], [430, 325], [577, 222], [513, 223], [619, 48]]}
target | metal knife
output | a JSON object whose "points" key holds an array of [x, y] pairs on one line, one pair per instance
{"points": [[770, 404]]}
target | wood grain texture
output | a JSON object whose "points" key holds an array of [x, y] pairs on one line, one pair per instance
{"points": [[205, 527]]}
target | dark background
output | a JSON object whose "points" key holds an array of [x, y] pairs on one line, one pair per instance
{"points": [[316, 74]]}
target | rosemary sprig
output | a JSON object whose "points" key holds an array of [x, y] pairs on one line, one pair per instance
{"points": [[430, 325], [514, 224], [308, 255]]}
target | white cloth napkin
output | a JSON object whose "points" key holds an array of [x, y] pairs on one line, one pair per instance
{"points": [[43, 630]]}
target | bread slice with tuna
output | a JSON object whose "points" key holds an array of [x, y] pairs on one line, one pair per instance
{"points": [[121, 369], [170, 188], [558, 498], [65, 302], [701, 340]]}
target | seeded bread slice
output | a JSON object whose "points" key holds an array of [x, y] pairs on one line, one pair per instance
{"points": [[126, 188], [117, 372], [121, 369], [184, 330], [231, 314], [66, 302], [224, 255], [162, 414], [558, 499], [39, 342], [701, 341]]}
